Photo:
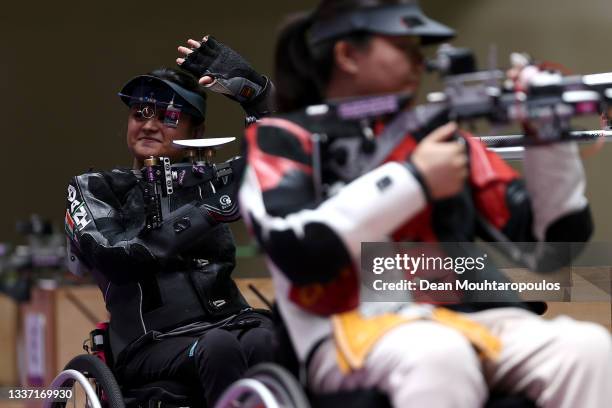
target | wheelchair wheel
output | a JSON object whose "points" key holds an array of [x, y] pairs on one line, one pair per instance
{"points": [[92, 383], [268, 385]]}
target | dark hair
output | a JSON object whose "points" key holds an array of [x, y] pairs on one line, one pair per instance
{"points": [[184, 80], [301, 73]]}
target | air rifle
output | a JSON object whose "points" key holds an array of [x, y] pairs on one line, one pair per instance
{"points": [[545, 109], [161, 179]]}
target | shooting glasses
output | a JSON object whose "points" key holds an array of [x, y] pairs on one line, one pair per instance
{"points": [[158, 97]]}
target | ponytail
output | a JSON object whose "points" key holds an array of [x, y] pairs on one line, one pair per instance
{"points": [[298, 77], [301, 72]]}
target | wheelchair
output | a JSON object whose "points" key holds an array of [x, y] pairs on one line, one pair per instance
{"points": [[267, 385], [280, 381], [92, 382]]}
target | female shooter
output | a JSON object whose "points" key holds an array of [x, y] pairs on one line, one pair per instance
{"points": [[424, 191], [175, 312]]}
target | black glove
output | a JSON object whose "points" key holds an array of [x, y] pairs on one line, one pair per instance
{"points": [[233, 75]]}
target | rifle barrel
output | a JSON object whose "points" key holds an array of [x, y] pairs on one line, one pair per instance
{"points": [[511, 147]]}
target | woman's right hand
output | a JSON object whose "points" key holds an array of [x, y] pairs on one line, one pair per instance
{"points": [[185, 51], [222, 70], [443, 164]]}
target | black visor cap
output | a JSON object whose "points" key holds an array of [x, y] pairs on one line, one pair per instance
{"points": [[164, 92], [398, 20]]}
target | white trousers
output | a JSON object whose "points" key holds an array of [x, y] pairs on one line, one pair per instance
{"points": [[559, 363]]}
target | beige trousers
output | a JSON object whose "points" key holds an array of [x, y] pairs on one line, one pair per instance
{"points": [[560, 363]]}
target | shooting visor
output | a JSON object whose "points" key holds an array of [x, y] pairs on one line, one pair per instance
{"points": [[152, 94], [398, 20]]}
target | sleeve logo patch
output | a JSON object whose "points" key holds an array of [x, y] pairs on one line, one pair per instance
{"points": [[77, 215], [384, 183]]}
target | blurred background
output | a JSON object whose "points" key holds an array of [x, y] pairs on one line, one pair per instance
{"points": [[63, 63]]}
